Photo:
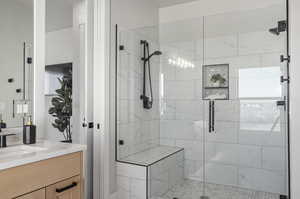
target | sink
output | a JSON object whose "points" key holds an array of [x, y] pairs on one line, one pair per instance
{"points": [[19, 150]]}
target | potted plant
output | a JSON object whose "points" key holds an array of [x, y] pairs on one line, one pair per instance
{"points": [[61, 108], [218, 80]]}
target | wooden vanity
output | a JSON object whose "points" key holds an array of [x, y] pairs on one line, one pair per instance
{"points": [[59, 177]]}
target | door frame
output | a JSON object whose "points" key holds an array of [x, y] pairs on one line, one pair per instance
{"points": [[100, 10], [84, 94]]}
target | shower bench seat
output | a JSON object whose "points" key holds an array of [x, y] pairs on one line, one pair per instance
{"points": [[154, 171], [151, 156]]}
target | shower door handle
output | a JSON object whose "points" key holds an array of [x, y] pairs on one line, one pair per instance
{"points": [[282, 103], [209, 117], [213, 116]]}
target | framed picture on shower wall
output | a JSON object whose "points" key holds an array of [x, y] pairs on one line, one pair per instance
{"points": [[215, 82]]}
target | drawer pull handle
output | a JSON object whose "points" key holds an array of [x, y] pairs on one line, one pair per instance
{"points": [[74, 184]]}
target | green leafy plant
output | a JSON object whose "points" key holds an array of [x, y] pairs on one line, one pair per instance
{"points": [[61, 108], [218, 78]]}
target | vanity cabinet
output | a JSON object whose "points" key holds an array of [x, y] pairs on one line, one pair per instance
{"points": [[68, 189], [39, 194], [55, 178]]}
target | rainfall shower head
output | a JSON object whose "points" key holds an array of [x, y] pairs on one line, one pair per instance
{"points": [[281, 27]]}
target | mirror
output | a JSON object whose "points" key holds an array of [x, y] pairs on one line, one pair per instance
{"points": [[16, 56]]}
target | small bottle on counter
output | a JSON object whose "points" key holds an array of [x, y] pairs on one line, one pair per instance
{"points": [[2, 124], [29, 132]]}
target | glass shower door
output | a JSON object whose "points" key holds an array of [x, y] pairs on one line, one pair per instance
{"points": [[245, 137]]}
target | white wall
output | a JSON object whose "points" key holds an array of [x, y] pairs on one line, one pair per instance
{"points": [[59, 46], [39, 66], [130, 14], [58, 14], [295, 97], [200, 8]]}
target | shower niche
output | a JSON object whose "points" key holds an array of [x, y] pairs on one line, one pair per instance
{"points": [[216, 82]]}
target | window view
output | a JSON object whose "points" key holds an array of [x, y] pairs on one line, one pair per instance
{"points": [[259, 82], [258, 112]]}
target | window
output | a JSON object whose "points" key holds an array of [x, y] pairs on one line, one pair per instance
{"points": [[260, 82]]}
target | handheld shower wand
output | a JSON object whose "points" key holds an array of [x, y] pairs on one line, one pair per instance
{"points": [[147, 101]]}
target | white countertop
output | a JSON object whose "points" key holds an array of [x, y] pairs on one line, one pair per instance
{"points": [[18, 155]]}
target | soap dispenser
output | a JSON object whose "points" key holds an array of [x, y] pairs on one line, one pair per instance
{"points": [[29, 132], [2, 123]]}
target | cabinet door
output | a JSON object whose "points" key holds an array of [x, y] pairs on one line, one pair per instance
{"points": [[40, 194], [67, 189]]}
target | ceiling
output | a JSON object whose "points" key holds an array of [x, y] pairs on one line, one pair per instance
{"points": [[166, 3]]}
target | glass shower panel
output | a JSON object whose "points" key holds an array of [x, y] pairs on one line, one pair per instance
{"points": [[137, 127], [245, 138], [181, 117]]}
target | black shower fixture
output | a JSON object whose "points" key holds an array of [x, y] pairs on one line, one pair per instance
{"points": [[154, 53], [281, 27], [147, 101]]}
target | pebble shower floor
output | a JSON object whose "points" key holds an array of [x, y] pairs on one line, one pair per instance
{"points": [[191, 189]]}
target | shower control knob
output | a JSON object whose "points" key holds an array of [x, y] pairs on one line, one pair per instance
{"points": [[283, 59], [283, 79], [121, 142]]}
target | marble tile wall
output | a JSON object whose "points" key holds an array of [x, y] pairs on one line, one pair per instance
{"points": [[162, 176], [247, 148], [131, 181], [136, 126], [166, 174]]}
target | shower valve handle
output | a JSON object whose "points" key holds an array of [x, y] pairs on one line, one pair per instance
{"points": [[283, 59]]}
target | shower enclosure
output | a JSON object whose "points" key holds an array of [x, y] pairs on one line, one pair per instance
{"points": [[219, 111]]}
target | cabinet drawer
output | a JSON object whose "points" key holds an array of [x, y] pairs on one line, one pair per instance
{"points": [[40, 194], [67, 189], [27, 178]]}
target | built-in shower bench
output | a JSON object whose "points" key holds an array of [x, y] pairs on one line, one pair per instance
{"points": [[152, 155], [154, 171]]}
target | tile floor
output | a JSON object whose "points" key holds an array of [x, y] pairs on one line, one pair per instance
{"points": [[191, 189]]}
